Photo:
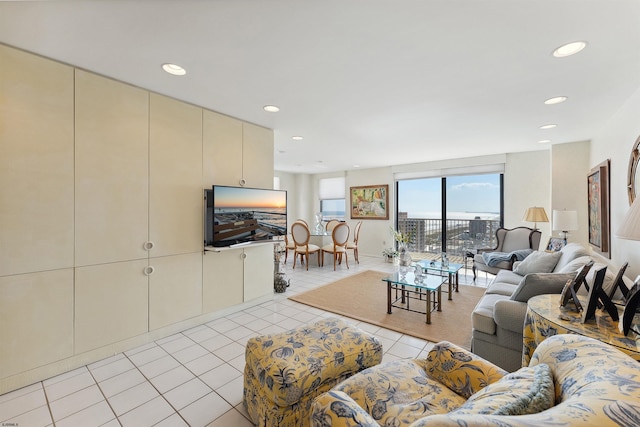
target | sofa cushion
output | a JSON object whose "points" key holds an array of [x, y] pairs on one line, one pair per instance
{"points": [[570, 252], [501, 288], [574, 265], [538, 262], [482, 316], [508, 276], [527, 391], [539, 284], [400, 390]]}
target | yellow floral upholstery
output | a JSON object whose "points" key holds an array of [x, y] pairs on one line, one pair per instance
{"points": [[285, 372], [594, 384], [403, 391]]}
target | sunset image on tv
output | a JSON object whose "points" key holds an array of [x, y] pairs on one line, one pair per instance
{"points": [[242, 215]]}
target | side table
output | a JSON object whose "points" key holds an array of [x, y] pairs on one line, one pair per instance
{"points": [[543, 320]]}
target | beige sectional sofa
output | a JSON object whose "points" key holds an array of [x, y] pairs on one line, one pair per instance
{"points": [[498, 317]]}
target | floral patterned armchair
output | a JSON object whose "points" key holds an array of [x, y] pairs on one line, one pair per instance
{"points": [[571, 380]]}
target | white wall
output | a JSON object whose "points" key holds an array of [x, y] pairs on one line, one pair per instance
{"points": [[615, 142], [375, 234], [569, 169], [526, 184]]}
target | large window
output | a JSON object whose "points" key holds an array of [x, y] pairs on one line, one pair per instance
{"points": [[332, 198], [450, 214]]}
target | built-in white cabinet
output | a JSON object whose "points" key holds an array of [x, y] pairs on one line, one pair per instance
{"points": [[36, 320], [36, 163], [175, 289], [222, 149], [111, 303], [175, 177], [257, 156], [258, 271], [235, 275], [222, 279], [101, 242], [236, 153], [111, 170]]}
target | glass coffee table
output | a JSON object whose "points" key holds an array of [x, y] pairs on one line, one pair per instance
{"points": [[427, 290], [435, 268]]}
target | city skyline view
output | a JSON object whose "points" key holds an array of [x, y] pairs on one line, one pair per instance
{"points": [[468, 196]]}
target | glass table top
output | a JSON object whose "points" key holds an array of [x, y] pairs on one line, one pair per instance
{"points": [[437, 266], [429, 283]]}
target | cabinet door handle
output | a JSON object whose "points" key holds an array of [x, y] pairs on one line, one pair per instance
{"points": [[242, 182], [243, 255], [148, 270], [148, 245]]}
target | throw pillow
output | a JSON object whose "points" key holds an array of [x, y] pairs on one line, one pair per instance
{"points": [[540, 283], [538, 262], [574, 265], [528, 390]]}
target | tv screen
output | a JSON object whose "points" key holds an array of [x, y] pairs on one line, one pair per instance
{"points": [[236, 215]]}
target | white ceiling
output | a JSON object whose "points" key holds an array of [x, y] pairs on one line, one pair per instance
{"points": [[367, 82]]}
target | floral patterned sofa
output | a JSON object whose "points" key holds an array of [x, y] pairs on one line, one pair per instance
{"points": [[571, 380]]}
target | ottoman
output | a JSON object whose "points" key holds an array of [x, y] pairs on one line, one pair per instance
{"points": [[284, 372]]}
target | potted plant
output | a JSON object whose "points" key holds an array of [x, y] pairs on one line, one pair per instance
{"points": [[389, 254]]}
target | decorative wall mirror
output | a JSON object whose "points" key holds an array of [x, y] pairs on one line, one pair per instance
{"points": [[633, 180]]}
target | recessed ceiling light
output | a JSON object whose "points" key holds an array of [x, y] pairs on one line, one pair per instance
{"points": [[297, 138], [271, 108], [555, 100], [569, 49], [174, 69], [356, 166], [549, 126], [544, 141]]}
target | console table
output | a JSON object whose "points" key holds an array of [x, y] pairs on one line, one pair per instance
{"points": [[543, 319]]}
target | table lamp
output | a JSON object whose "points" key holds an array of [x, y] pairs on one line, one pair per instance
{"points": [[535, 214], [630, 230], [565, 221]]}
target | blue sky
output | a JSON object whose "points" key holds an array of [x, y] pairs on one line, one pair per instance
{"points": [[469, 193]]}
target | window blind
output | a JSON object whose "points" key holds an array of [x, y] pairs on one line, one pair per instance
{"points": [[331, 188]]}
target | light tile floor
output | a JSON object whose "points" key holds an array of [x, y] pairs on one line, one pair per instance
{"points": [[192, 378]]}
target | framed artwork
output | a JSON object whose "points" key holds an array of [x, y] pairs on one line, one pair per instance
{"points": [[369, 202], [598, 208], [555, 244]]}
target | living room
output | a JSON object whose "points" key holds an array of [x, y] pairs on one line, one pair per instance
{"points": [[549, 175]]}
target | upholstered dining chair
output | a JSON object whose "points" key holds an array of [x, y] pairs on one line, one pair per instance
{"points": [[301, 235], [353, 245], [289, 245], [340, 237], [331, 225]]}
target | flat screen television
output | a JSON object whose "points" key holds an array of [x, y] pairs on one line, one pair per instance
{"points": [[238, 215]]}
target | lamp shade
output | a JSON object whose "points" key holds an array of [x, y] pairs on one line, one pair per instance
{"points": [[565, 220], [630, 228], [536, 214]]}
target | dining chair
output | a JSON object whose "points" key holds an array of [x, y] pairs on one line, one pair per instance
{"points": [[301, 235], [289, 245], [331, 225], [354, 244], [340, 237]]}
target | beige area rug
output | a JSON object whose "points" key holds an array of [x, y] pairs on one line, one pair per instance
{"points": [[363, 297]]}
